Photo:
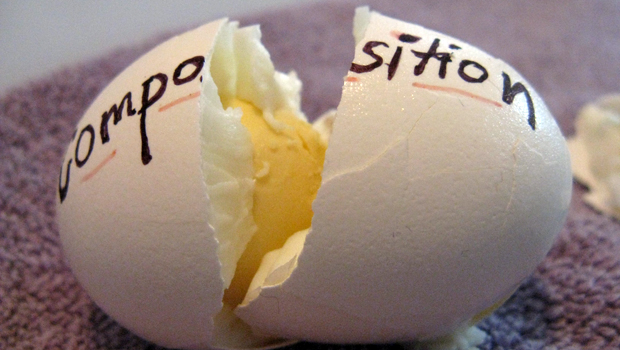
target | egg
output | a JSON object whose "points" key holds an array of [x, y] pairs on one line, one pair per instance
{"points": [[200, 209]]}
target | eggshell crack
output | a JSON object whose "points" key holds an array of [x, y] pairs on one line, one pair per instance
{"points": [[445, 182], [450, 204], [154, 265]]}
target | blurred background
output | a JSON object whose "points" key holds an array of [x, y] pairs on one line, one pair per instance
{"points": [[38, 37]]}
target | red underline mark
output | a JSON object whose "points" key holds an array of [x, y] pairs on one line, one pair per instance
{"points": [[179, 100], [458, 92], [351, 79], [98, 167]]}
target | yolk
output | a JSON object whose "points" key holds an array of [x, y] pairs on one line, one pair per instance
{"points": [[288, 161]]}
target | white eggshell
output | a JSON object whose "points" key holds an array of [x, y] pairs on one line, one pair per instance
{"points": [[133, 210], [438, 196], [130, 231]]}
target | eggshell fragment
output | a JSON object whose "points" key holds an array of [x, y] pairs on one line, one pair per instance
{"points": [[445, 182], [135, 220], [594, 153], [117, 229]]}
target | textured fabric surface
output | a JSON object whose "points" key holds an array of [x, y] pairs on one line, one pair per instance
{"points": [[568, 50]]}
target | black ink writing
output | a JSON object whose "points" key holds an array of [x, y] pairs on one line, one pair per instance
{"points": [[368, 49], [63, 189], [153, 89], [512, 90], [408, 38], [443, 57], [393, 66], [468, 78], [91, 143], [197, 62], [468, 71], [117, 112], [148, 101]]}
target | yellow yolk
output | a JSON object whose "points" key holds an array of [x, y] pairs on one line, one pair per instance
{"points": [[288, 161]]}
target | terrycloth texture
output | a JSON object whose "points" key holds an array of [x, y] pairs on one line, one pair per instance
{"points": [[568, 50]]}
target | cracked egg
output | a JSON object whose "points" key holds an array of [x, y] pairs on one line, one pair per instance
{"points": [[200, 209]]}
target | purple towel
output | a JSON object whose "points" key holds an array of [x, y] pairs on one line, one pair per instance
{"points": [[568, 50]]}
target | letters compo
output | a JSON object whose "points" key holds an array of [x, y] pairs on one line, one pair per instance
{"points": [[87, 135]]}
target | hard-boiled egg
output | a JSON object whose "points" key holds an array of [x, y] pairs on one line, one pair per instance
{"points": [[199, 208]]}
